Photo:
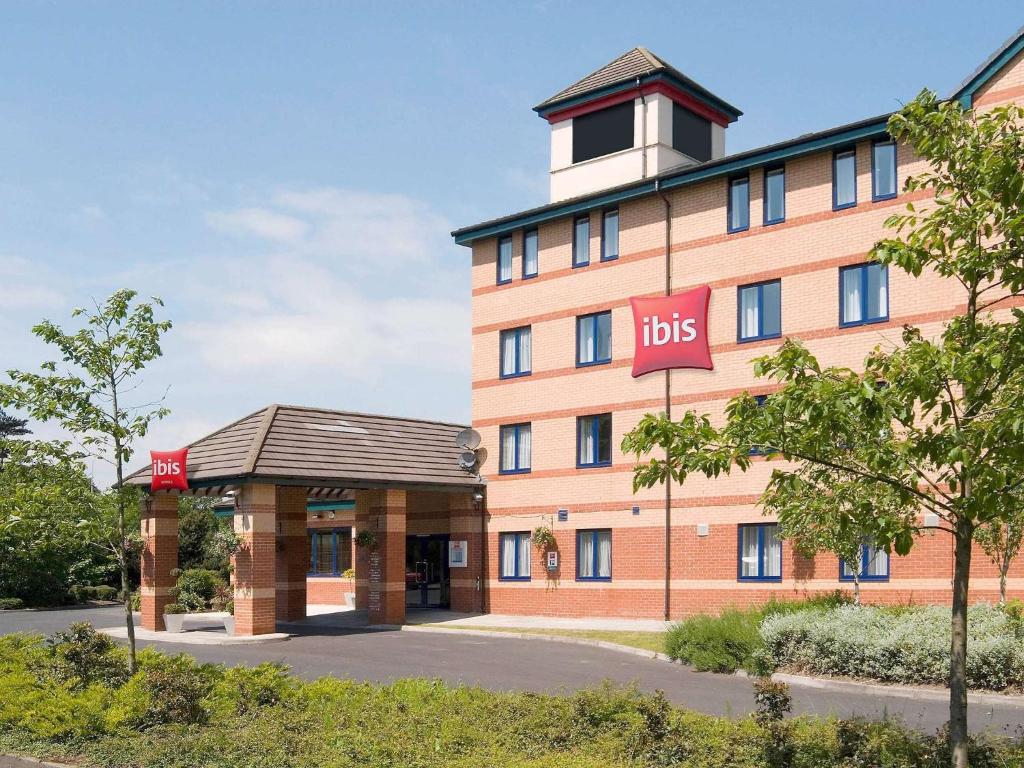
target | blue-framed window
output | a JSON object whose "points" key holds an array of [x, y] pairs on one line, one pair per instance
{"points": [[581, 241], [516, 349], [874, 565], [515, 556], [760, 552], [863, 294], [774, 195], [883, 170], [531, 253], [594, 339], [760, 311], [610, 235], [844, 179], [504, 260], [594, 440], [738, 204], [515, 449], [330, 551], [594, 555]]}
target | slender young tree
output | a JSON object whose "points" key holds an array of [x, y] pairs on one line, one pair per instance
{"points": [[1001, 540], [100, 364], [934, 420]]}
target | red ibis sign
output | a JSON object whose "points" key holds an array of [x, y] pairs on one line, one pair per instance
{"points": [[671, 332], [168, 470]]}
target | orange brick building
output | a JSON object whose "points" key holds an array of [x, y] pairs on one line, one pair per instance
{"points": [[644, 198]]}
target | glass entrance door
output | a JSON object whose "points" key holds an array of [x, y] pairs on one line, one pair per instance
{"points": [[426, 571]]}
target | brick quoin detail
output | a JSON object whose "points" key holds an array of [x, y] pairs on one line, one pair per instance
{"points": [[159, 528], [292, 553], [385, 511], [255, 562]]}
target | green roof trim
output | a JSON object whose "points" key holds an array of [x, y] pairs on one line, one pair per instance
{"points": [[326, 506], [815, 142], [980, 77]]}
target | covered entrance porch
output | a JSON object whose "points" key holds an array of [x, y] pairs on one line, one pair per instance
{"points": [[418, 515]]}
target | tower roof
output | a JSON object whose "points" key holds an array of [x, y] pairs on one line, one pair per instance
{"points": [[623, 72]]}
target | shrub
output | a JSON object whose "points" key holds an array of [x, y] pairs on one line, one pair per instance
{"points": [[175, 608], [105, 592], [772, 700], [167, 690], [909, 645], [11, 603], [82, 656], [721, 643], [245, 690], [197, 587]]}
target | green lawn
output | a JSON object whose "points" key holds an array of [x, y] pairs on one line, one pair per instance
{"points": [[648, 641]]}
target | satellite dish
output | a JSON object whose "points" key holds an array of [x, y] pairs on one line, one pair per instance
{"points": [[469, 439], [467, 460]]}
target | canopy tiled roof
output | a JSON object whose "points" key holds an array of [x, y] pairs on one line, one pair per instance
{"points": [[322, 447], [638, 62]]}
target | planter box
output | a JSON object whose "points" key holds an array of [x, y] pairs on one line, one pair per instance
{"points": [[350, 599], [173, 621], [229, 624]]}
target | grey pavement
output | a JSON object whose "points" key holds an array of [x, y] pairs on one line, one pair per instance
{"points": [[318, 649]]}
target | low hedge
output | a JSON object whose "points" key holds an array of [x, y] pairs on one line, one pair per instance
{"points": [[11, 603], [71, 699], [904, 645]]}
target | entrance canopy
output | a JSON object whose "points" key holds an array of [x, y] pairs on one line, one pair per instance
{"points": [[325, 451]]}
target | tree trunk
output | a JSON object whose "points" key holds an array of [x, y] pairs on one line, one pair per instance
{"points": [[964, 533], [1002, 580], [129, 620], [856, 589]]}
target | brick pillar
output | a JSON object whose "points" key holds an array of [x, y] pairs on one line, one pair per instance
{"points": [[385, 511], [255, 562], [292, 553], [159, 515], [464, 525], [360, 555]]}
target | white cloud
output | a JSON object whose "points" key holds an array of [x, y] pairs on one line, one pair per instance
{"points": [[259, 222], [25, 285]]}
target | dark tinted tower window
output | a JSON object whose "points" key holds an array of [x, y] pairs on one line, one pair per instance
{"points": [[602, 132], [691, 134]]}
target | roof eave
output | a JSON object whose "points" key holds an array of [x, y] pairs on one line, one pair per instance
{"points": [[999, 59]]}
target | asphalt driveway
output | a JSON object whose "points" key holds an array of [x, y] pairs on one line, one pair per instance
{"points": [[514, 664]]}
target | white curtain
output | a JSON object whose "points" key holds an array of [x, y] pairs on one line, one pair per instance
{"points": [[508, 448], [505, 260], [508, 353], [524, 554], [748, 559], [772, 552], [586, 555], [588, 448], [878, 291], [508, 554], [748, 310], [604, 554], [530, 253], [851, 296], [525, 440], [878, 561], [587, 342], [525, 349]]}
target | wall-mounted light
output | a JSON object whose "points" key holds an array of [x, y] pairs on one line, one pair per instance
{"points": [[703, 529], [636, 510], [330, 514], [563, 515]]}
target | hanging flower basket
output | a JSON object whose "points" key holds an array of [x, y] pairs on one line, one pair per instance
{"points": [[367, 539], [543, 539]]}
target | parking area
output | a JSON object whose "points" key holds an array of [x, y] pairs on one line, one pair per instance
{"points": [[317, 649]]}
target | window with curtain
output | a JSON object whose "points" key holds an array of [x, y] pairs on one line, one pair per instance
{"points": [[504, 260], [515, 555], [515, 448], [864, 294], [594, 339], [610, 235], [330, 551], [774, 195], [581, 242], [530, 253], [739, 204], [594, 440], [760, 308], [844, 179], [883, 170], [516, 353], [874, 564], [760, 552], [594, 555]]}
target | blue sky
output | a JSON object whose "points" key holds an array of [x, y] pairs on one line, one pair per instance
{"points": [[285, 175]]}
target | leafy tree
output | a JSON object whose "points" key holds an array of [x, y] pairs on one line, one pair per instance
{"points": [[44, 492], [10, 426], [197, 529], [935, 422], [1001, 540], [102, 362]]}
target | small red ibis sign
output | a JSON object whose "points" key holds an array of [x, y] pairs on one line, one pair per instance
{"points": [[671, 332], [168, 470]]}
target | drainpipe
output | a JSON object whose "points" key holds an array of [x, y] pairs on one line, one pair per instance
{"points": [[643, 130], [668, 403]]}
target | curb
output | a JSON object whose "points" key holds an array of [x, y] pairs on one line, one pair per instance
{"points": [[20, 761], [540, 636], [901, 691]]}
